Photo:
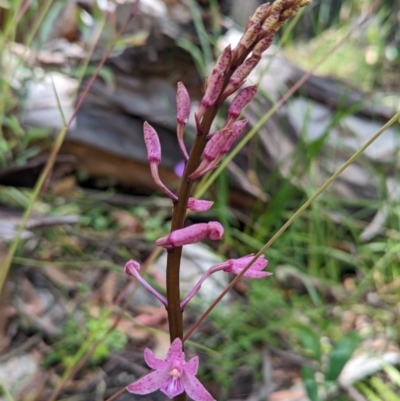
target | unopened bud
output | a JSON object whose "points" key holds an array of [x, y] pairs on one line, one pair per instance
{"points": [[152, 143], [249, 36], [290, 12], [214, 146], [278, 6], [237, 129], [241, 100], [240, 74], [182, 104], [192, 234], [269, 26], [224, 61], [213, 89], [304, 3], [261, 46], [261, 13]]}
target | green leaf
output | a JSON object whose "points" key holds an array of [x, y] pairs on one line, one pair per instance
{"points": [[310, 384], [340, 354], [309, 340]]}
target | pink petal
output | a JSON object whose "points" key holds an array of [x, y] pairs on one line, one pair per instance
{"points": [[172, 387], [175, 352], [152, 143], [194, 388], [192, 366], [149, 383], [153, 362], [179, 168], [132, 268], [199, 205], [216, 230]]}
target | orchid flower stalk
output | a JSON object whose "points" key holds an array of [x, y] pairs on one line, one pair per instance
{"points": [[174, 376]]}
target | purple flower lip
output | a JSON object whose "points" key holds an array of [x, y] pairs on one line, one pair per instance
{"points": [[172, 376]]}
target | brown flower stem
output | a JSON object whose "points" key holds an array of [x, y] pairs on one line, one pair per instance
{"points": [[178, 220]]}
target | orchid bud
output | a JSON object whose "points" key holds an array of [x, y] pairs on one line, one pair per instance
{"points": [[216, 230], [199, 205], [261, 13], [270, 25], [241, 100], [182, 115], [240, 74], [153, 147], [182, 104], [213, 89], [191, 234], [261, 46], [152, 143], [237, 129], [249, 36], [304, 3], [277, 6], [213, 147], [224, 61], [132, 268], [290, 12]]}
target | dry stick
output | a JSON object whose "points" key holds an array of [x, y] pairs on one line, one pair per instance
{"points": [[316, 194], [50, 162]]}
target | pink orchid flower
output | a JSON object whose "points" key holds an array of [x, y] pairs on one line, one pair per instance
{"points": [[172, 376]]}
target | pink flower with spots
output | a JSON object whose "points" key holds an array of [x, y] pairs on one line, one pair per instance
{"points": [[172, 376]]}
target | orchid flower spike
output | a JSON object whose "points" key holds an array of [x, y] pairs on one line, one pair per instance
{"points": [[172, 376], [153, 147], [182, 115], [192, 234], [132, 268]]}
